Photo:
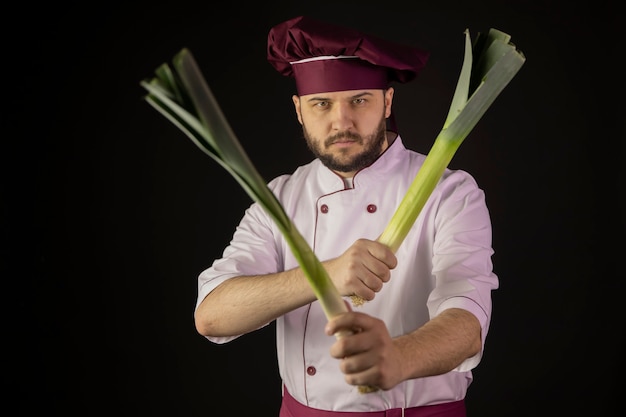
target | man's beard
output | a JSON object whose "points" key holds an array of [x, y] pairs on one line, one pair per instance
{"points": [[371, 152]]}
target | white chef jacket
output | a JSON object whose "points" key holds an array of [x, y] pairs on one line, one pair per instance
{"points": [[444, 262]]}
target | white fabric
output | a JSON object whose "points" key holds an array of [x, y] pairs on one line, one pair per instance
{"points": [[444, 262]]}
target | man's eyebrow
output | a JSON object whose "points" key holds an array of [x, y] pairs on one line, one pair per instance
{"points": [[364, 93], [318, 99], [322, 98]]}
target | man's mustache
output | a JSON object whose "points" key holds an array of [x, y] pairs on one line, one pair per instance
{"points": [[343, 135]]}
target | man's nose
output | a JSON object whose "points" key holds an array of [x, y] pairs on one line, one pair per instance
{"points": [[342, 117]]}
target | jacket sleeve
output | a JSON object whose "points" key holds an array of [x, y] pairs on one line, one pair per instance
{"points": [[462, 251]]}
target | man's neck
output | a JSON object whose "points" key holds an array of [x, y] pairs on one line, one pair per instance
{"points": [[391, 137]]}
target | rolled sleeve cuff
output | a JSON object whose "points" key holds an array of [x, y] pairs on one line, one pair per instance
{"points": [[473, 307], [205, 289]]}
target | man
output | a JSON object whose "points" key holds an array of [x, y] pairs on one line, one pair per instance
{"points": [[422, 327]]}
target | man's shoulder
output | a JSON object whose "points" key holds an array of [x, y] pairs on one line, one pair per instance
{"points": [[299, 174]]}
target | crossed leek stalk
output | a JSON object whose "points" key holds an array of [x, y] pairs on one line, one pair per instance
{"points": [[182, 95]]}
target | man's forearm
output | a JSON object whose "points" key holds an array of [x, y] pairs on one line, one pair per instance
{"points": [[441, 344], [243, 304]]}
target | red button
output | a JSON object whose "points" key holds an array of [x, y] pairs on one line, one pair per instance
{"points": [[371, 208], [324, 208], [311, 370]]}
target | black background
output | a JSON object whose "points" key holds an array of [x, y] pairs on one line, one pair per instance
{"points": [[109, 212]]}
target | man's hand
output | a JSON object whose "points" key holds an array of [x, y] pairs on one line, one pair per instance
{"points": [[362, 269], [368, 355]]}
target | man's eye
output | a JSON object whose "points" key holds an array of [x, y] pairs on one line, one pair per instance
{"points": [[359, 101]]}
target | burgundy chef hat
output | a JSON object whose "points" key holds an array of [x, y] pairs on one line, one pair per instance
{"points": [[323, 57]]}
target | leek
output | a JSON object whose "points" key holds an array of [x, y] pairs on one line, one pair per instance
{"points": [[182, 96], [480, 82]]}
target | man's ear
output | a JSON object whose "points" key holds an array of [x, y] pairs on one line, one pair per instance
{"points": [[296, 104], [388, 101]]}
